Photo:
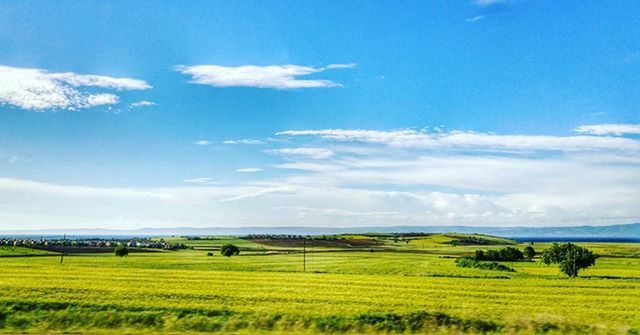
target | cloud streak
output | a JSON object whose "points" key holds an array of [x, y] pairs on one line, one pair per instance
{"points": [[475, 18], [408, 138], [609, 129], [249, 170], [313, 153], [244, 141], [143, 103], [281, 77], [201, 181]]}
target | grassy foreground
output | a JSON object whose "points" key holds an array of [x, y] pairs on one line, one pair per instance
{"points": [[412, 287]]}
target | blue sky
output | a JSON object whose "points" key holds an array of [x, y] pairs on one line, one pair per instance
{"points": [[120, 114]]}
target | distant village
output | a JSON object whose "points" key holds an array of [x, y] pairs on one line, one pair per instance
{"points": [[54, 244]]}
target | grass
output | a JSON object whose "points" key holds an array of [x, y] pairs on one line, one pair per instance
{"points": [[395, 291], [21, 251]]}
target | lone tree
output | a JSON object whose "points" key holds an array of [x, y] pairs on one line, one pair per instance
{"points": [[229, 250], [529, 252], [570, 257], [121, 250]]}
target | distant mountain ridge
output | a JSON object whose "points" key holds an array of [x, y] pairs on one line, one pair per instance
{"points": [[631, 231]]}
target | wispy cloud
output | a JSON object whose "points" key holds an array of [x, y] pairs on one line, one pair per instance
{"points": [[406, 176], [201, 181], [408, 138], [202, 142], [143, 103], [249, 170], [260, 193], [475, 18], [314, 153], [37, 89], [244, 141], [281, 77], [609, 129]]}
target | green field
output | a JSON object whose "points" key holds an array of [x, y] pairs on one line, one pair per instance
{"points": [[400, 286], [21, 251]]}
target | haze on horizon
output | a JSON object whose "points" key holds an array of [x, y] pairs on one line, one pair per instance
{"points": [[245, 114]]}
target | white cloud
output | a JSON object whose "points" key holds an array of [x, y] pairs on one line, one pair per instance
{"points": [[314, 153], [475, 18], [77, 80], [609, 129], [38, 89], [202, 142], [260, 193], [485, 173], [409, 138], [143, 103], [404, 177], [243, 141], [201, 181], [355, 192], [249, 170], [396, 138], [340, 66], [102, 99], [274, 76]]}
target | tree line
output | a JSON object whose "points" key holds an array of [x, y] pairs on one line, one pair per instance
{"points": [[570, 258]]}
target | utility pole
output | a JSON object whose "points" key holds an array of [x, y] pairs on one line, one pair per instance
{"points": [[304, 254], [62, 254]]}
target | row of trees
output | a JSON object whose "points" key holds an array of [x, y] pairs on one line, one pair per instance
{"points": [[508, 254], [227, 250], [570, 258]]}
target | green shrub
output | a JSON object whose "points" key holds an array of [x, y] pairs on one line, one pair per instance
{"points": [[121, 250], [468, 262], [229, 250]]}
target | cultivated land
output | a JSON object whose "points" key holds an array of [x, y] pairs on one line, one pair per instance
{"points": [[356, 284]]}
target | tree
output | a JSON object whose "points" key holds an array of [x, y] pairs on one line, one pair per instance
{"points": [[510, 254], [229, 250], [529, 252], [570, 257], [121, 250]]}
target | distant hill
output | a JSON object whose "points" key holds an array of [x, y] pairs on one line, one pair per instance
{"points": [[619, 231]]}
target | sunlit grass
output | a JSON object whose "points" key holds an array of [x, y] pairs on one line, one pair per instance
{"points": [[358, 292]]}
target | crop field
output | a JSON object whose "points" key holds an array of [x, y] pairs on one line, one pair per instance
{"points": [[20, 251], [404, 286]]}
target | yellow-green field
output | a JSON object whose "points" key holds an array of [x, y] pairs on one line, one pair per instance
{"points": [[405, 287]]}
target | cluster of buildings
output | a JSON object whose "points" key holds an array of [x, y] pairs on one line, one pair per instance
{"points": [[90, 243]]}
